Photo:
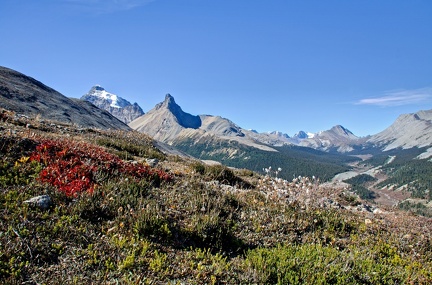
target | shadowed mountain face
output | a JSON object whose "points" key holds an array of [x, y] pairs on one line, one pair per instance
{"points": [[25, 95]]}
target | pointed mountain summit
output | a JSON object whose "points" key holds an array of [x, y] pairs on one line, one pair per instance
{"points": [[280, 134], [97, 93], [184, 119], [165, 121], [340, 132], [116, 105]]}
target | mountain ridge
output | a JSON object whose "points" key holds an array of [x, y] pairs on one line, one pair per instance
{"points": [[168, 122], [25, 95], [409, 130]]}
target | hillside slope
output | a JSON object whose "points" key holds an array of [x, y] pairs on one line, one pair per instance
{"points": [[25, 95], [83, 207], [409, 130]]}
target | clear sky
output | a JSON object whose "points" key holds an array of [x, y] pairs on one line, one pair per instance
{"points": [[264, 64]]}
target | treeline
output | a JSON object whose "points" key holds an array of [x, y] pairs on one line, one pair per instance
{"points": [[415, 173], [401, 156], [406, 169], [294, 161]]}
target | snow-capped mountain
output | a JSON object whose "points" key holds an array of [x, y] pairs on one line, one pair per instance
{"points": [[116, 105]]}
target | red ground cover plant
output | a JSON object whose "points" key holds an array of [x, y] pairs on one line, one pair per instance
{"points": [[71, 166]]}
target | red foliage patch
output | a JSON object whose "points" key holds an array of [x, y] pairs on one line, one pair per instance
{"points": [[71, 166]]}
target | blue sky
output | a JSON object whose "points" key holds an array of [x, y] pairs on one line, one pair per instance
{"points": [[265, 64]]}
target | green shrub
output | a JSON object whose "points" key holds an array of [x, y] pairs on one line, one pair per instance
{"points": [[315, 264]]}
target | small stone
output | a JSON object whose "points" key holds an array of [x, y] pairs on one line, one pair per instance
{"points": [[152, 162], [377, 211], [43, 201]]}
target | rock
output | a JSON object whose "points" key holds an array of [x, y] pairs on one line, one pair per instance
{"points": [[364, 208], [43, 201], [377, 211], [152, 162]]}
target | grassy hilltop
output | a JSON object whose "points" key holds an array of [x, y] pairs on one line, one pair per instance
{"points": [[112, 218]]}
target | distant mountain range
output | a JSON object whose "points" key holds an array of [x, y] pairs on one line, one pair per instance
{"points": [[168, 123], [117, 106]]}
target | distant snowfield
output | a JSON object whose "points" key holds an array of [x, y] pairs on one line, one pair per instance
{"points": [[353, 173], [344, 176]]}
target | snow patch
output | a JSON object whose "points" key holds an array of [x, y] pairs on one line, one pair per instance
{"points": [[311, 135], [390, 159]]}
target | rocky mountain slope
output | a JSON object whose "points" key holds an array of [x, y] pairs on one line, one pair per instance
{"points": [[117, 106], [409, 130], [168, 123], [25, 95]]}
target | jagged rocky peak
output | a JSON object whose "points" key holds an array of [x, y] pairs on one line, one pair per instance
{"points": [[169, 103], [116, 105], [184, 119], [169, 98]]}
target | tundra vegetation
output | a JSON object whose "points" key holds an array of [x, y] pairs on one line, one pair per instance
{"points": [[113, 219]]}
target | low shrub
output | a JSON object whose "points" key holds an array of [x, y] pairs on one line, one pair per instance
{"points": [[72, 166]]}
